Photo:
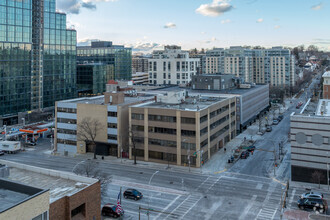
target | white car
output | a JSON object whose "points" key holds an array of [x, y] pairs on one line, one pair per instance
{"points": [[315, 195]]}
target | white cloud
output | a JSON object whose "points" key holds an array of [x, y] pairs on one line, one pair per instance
{"points": [[317, 7], [260, 20], [143, 46], [74, 6], [203, 32], [213, 39], [277, 26], [170, 25], [215, 9], [226, 21]]}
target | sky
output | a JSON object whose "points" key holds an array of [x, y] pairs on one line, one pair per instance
{"points": [[150, 24]]}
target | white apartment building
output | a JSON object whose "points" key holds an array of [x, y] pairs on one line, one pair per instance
{"points": [[172, 66], [274, 66]]}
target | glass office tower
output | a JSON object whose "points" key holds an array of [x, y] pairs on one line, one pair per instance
{"points": [[105, 52], [37, 57]]}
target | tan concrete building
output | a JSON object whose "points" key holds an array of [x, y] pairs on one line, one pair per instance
{"points": [[49, 194], [110, 111], [178, 128], [326, 85]]}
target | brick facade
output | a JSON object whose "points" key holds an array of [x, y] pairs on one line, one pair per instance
{"points": [[90, 196], [326, 91]]}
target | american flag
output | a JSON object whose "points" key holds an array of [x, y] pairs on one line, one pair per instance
{"points": [[118, 208]]}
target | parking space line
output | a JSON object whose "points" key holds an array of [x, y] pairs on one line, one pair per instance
{"points": [[292, 195]]}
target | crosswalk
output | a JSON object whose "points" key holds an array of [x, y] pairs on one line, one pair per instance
{"points": [[180, 211], [270, 206]]}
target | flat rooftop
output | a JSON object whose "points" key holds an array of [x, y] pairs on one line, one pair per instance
{"points": [[190, 104], [99, 100], [10, 198], [59, 184]]}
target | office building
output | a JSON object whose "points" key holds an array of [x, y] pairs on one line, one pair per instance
{"points": [[177, 128], [92, 78], [140, 64], [50, 194], [37, 57], [105, 52], [326, 85], [172, 66], [109, 111], [310, 142], [213, 82]]}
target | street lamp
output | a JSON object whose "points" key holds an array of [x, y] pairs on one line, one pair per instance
{"points": [[151, 194]]}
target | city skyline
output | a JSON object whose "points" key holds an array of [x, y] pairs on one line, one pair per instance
{"points": [[148, 25]]}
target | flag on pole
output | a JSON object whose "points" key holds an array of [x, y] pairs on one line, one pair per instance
{"points": [[118, 208]]}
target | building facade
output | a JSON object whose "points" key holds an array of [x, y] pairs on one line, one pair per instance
{"points": [[326, 85], [213, 82], [139, 64], [37, 57], [172, 66], [310, 143], [178, 128], [275, 66], [105, 52], [140, 78], [92, 78], [110, 111]]}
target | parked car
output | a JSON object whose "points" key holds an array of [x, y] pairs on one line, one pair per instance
{"points": [[133, 194], [251, 148], [316, 195], [269, 129], [2, 152], [110, 210], [299, 105], [245, 154], [31, 143], [280, 117], [320, 205], [275, 122]]}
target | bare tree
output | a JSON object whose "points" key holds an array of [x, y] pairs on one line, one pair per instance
{"points": [[317, 177], [91, 168], [87, 130], [133, 139]]}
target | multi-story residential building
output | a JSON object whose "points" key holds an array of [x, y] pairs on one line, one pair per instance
{"points": [[326, 85], [140, 78], [214, 63], [109, 111], [177, 128], [310, 142], [105, 52], [140, 64], [37, 57], [275, 66], [172, 66], [92, 78], [39, 193]]}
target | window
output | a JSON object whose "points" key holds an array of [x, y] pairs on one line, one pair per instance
{"points": [[178, 76], [163, 143], [185, 120], [169, 75], [164, 75], [162, 118], [112, 125], [137, 116], [137, 128], [162, 130], [164, 66], [155, 66], [79, 210], [112, 137], [169, 66], [188, 133], [112, 114], [177, 66]]}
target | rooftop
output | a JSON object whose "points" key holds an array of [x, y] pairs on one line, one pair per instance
{"points": [[192, 103], [316, 108], [326, 74], [323, 107], [59, 183], [99, 100]]}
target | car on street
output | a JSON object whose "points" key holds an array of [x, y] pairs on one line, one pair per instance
{"points": [[275, 122], [269, 128], [245, 154], [320, 205], [31, 143], [251, 148], [316, 195], [299, 105], [280, 117], [132, 194], [2, 153], [110, 210]]}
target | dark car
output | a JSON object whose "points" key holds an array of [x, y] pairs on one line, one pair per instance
{"points": [[110, 210], [2, 153], [133, 194], [269, 129], [244, 154], [320, 205], [251, 148], [275, 122], [31, 143], [50, 135], [280, 117]]}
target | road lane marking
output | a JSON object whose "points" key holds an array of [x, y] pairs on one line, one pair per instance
{"points": [[248, 207], [168, 206], [292, 196], [218, 172]]}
